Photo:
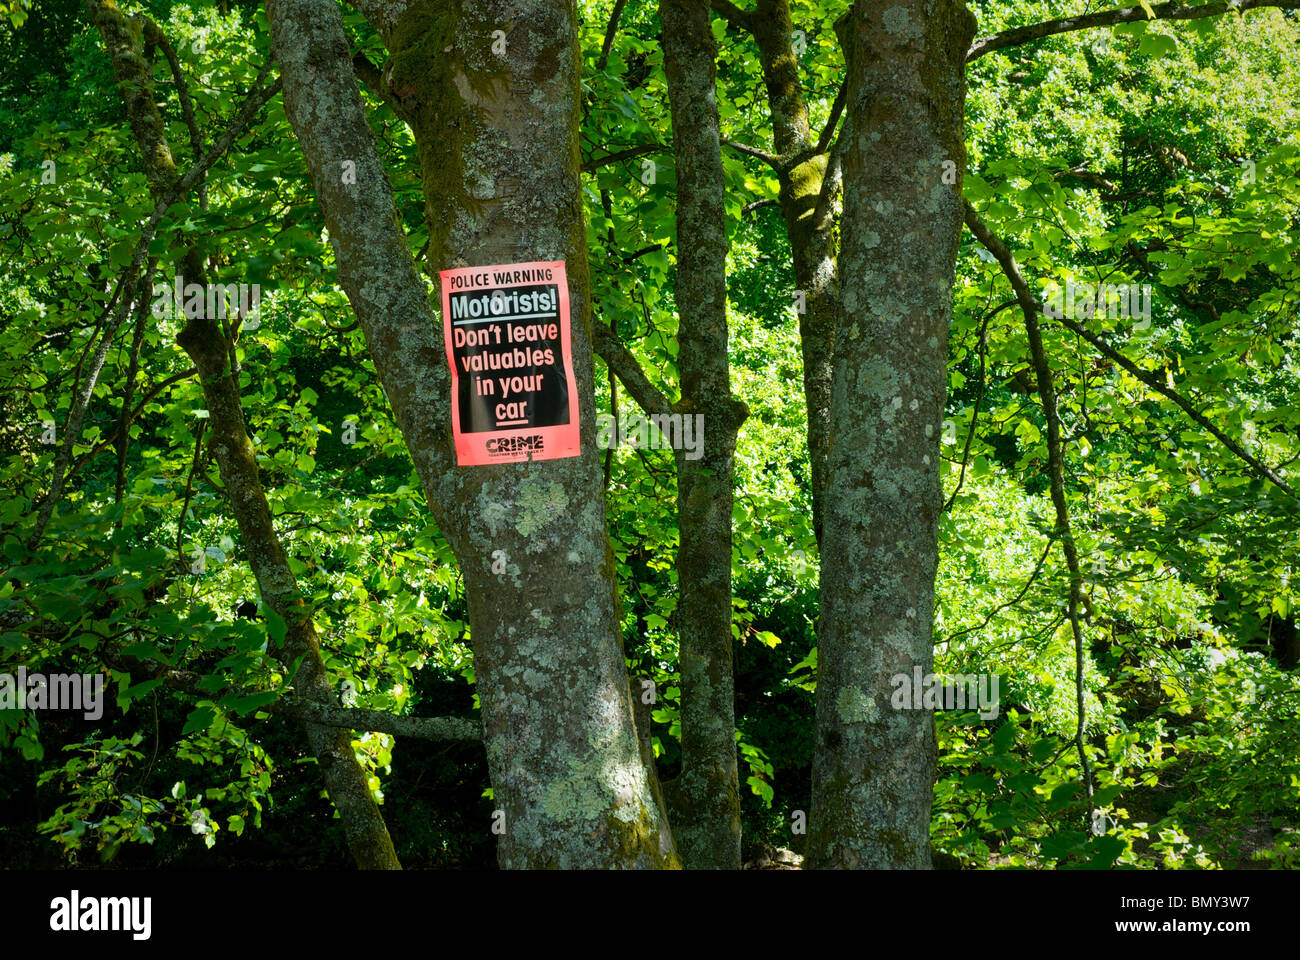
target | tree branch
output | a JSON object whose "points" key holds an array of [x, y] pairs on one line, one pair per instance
{"points": [[255, 100], [771, 159], [189, 493], [619, 359], [611, 31], [837, 108], [636, 255], [130, 419], [735, 16], [832, 181], [1027, 300], [155, 35], [1008, 603], [1172, 10], [373, 78], [123, 438], [382, 14], [356, 718], [982, 340], [293, 706], [628, 154], [1055, 466]]}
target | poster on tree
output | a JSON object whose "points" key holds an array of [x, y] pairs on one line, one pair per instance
{"points": [[513, 396]]}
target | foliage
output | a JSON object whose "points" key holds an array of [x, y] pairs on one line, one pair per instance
{"points": [[1164, 155]]}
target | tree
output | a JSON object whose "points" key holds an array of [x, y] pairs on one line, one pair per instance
{"points": [[566, 763], [951, 427], [706, 816], [209, 345], [873, 772]]}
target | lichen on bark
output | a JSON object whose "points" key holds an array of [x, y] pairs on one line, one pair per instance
{"points": [[503, 129], [873, 769]]}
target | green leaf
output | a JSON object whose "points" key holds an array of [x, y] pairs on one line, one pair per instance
{"points": [[276, 627], [200, 718], [251, 702], [980, 782], [1157, 45], [1062, 796]]}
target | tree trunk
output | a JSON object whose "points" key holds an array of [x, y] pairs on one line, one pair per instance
{"points": [[706, 811], [207, 343], [363, 825], [495, 116], [902, 149], [809, 227]]}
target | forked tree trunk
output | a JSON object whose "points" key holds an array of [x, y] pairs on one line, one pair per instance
{"points": [[495, 116], [810, 231]]}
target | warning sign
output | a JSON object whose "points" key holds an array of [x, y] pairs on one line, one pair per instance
{"points": [[513, 396]]}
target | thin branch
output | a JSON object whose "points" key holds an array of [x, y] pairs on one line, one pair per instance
{"points": [[123, 439], [1009, 603], [1088, 176], [1025, 297], [979, 400], [377, 721], [837, 108], [189, 492], [636, 255], [76, 416], [771, 159], [1056, 470], [356, 718], [149, 395], [1157, 384], [611, 31], [628, 154], [735, 16], [832, 180], [252, 104], [607, 207], [368, 73], [1108, 190], [295, 707], [373, 78], [154, 35], [1163, 11]]}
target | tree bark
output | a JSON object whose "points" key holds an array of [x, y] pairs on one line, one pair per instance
{"points": [[808, 226], [498, 143], [706, 814], [874, 766]]}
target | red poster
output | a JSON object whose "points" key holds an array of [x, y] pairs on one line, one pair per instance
{"points": [[513, 396]]}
